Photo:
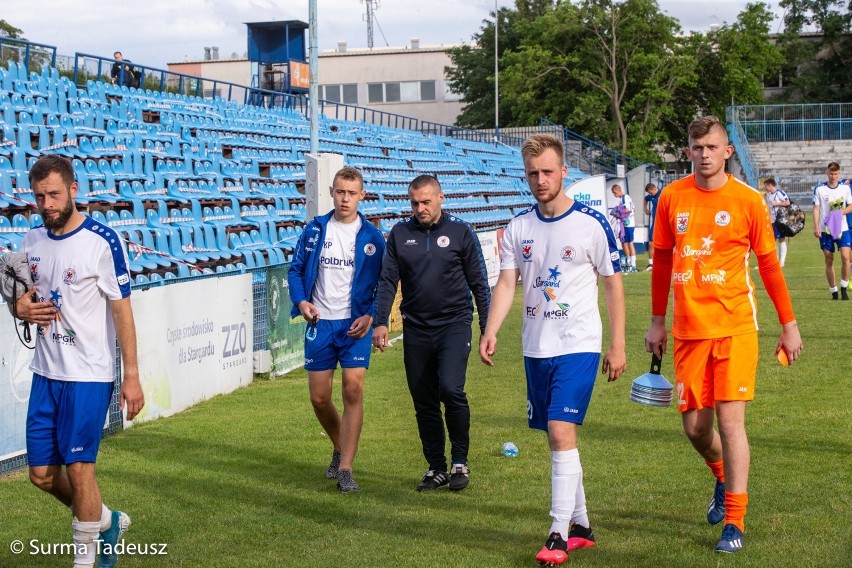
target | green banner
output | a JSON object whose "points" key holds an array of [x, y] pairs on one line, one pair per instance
{"points": [[286, 336]]}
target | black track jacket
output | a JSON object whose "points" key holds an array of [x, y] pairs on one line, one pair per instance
{"points": [[439, 267]]}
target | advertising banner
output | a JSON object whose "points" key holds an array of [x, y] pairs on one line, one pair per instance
{"points": [[491, 253], [194, 341], [591, 192], [286, 336], [15, 382]]}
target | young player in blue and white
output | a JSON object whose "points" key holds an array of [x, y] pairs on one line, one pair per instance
{"points": [[80, 302], [560, 248], [776, 198], [629, 225], [832, 202], [332, 282]]}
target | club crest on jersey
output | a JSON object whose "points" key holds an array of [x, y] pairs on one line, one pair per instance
{"points": [[443, 241], [526, 251], [568, 253], [369, 249], [69, 275], [723, 218], [682, 222]]}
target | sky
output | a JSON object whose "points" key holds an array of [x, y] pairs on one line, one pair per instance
{"points": [[157, 32]]}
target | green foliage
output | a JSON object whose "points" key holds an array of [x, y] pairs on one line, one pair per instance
{"points": [[10, 31], [816, 64], [239, 480], [618, 71]]}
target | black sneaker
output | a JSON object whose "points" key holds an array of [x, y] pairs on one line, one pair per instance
{"points": [[580, 537], [843, 294], [459, 477], [433, 480], [554, 552], [834, 295], [334, 466], [345, 482]]}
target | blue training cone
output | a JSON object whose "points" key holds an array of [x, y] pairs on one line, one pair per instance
{"points": [[652, 388]]}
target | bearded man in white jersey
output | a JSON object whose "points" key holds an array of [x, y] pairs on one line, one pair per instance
{"points": [[559, 248], [80, 302], [332, 282]]}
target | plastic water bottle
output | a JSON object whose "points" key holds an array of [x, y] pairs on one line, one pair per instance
{"points": [[510, 450]]}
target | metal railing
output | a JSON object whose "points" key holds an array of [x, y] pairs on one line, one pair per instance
{"points": [[740, 143], [779, 123], [94, 67], [34, 56]]}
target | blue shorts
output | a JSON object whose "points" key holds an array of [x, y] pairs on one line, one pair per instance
{"points": [[65, 420], [778, 234], [628, 234], [827, 243], [331, 345], [560, 388], [651, 234]]}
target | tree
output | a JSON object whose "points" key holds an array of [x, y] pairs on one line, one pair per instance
{"points": [[620, 72], [734, 60], [817, 48], [7, 30], [472, 70]]}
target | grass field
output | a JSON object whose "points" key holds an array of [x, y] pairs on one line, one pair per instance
{"points": [[239, 480]]}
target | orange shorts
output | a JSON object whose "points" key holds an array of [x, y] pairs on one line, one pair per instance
{"points": [[707, 370]]}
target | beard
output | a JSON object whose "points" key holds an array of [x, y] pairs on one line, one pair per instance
{"points": [[59, 218]]}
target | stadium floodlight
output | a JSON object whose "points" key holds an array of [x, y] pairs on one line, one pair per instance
{"points": [[496, 74]]}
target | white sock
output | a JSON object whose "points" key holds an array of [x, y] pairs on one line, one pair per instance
{"points": [[833, 289], [782, 252], [844, 283], [650, 262], [85, 534], [106, 518], [564, 477], [633, 261], [581, 515]]}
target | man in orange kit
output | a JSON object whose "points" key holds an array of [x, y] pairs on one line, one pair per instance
{"points": [[708, 225]]}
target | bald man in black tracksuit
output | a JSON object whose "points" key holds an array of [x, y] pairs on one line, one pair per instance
{"points": [[439, 261]]}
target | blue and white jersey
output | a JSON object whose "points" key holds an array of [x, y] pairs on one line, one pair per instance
{"points": [[559, 260], [774, 198], [80, 272], [830, 199]]}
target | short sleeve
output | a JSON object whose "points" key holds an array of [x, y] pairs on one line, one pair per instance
{"points": [[663, 237], [507, 250]]}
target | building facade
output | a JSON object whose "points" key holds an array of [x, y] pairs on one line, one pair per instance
{"points": [[408, 81]]}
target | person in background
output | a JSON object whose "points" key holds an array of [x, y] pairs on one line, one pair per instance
{"points": [[652, 196], [627, 215], [776, 199], [832, 203]]}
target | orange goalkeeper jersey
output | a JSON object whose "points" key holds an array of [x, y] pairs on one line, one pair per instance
{"points": [[711, 235]]}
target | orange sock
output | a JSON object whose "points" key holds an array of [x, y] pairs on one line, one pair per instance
{"points": [[735, 509], [718, 469]]}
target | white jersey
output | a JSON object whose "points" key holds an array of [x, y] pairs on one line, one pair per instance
{"points": [[332, 294], [80, 272], [830, 199], [559, 260], [628, 205], [774, 199]]}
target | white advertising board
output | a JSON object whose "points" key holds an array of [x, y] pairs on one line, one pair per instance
{"points": [[194, 341]]}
